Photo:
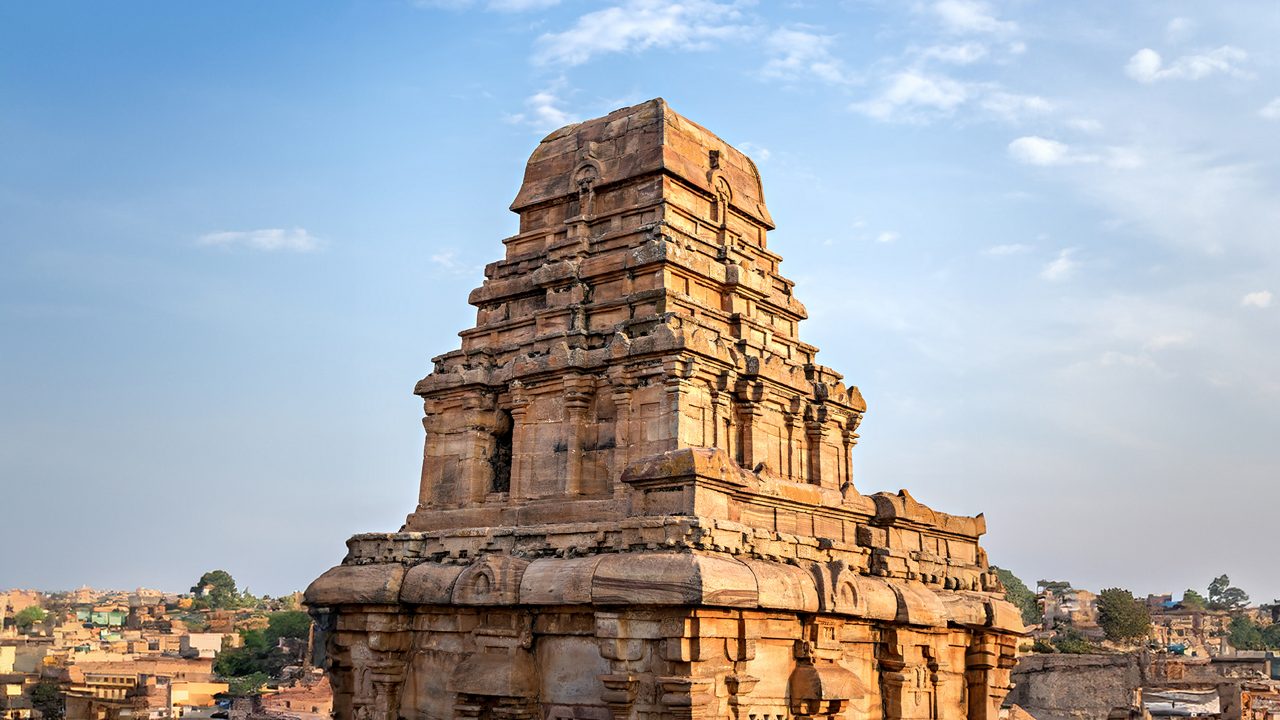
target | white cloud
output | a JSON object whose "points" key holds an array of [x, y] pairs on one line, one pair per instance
{"points": [[1146, 65], [887, 236], [496, 5], [1113, 358], [971, 16], [1122, 158], [1167, 340], [755, 152], [1191, 200], [1013, 107], [265, 240], [1271, 111], [1061, 267], [1085, 125], [1179, 29], [798, 53], [521, 5], [1043, 152], [1035, 150], [447, 259], [544, 111], [639, 25], [1259, 299], [1007, 249], [963, 54], [915, 97]]}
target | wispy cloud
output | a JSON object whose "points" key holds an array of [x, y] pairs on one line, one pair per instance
{"points": [[1167, 340], [544, 110], [495, 5], [962, 54], [1007, 249], [800, 52], [1146, 65], [887, 236], [1061, 267], [1036, 150], [758, 153], [971, 17], [1259, 299], [1084, 125], [919, 96], [915, 96], [1013, 107], [1179, 29], [1271, 111], [1191, 200], [1044, 152], [638, 25], [265, 240], [521, 5], [448, 261]]}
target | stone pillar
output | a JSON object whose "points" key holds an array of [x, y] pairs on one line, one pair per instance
{"points": [[687, 698], [907, 680], [739, 686], [520, 450], [749, 452], [673, 384], [479, 423], [791, 469], [988, 660], [725, 409], [621, 396], [813, 432], [847, 440], [577, 399], [619, 693], [379, 658]]}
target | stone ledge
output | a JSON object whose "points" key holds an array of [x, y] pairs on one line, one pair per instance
{"points": [[663, 579]]}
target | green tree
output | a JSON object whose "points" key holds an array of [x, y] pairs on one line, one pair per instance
{"points": [[47, 698], [1271, 636], [1121, 617], [1193, 600], [245, 685], [195, 623], [28, 616], [287, 624], [1054, 587], [260, 652], [1071, 641], [1017, 593], [1041, 646], [1224, 596], [216, 589], [1244, 634]]}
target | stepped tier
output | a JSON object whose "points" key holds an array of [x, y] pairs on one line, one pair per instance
{"points": [[637, 496]]}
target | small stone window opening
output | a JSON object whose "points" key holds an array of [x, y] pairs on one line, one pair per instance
{"points": [[501, 457]]}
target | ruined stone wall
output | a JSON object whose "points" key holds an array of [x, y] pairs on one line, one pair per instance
{"points": [[1075, 687]]}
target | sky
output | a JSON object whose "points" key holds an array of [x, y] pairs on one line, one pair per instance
{"points": [[1043, 239]]}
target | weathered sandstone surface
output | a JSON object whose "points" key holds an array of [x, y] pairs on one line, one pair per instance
{"points": [[637, 494]]}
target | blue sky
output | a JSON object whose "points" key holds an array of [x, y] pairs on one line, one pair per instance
{"points": [[1041, 237]]}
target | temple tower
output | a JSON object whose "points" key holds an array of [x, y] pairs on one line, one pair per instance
{"points": [[637, 495]]}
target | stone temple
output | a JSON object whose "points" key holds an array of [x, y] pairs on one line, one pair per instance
{"points": [[637, 495]]}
